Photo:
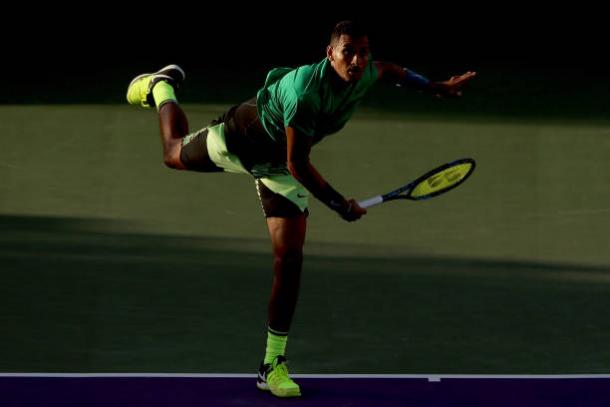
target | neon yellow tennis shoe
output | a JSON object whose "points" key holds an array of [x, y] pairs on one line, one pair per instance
{"points": [[274, 377], [139, 91]]}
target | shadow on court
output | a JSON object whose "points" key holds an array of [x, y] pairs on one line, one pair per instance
{"points": [[87, 295]]}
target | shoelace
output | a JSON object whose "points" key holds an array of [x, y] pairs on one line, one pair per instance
{"points": [[281, 371], [282, 368]]}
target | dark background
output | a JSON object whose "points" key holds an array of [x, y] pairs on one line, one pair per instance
{"points": [[87, 53]]}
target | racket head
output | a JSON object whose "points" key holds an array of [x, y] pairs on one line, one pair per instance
{"points": [[441, 179]]}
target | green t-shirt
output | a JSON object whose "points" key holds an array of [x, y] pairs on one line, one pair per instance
{"points": [[307, 99]]}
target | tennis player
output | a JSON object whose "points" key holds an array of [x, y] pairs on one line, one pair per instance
{"points": [[270, 137]]}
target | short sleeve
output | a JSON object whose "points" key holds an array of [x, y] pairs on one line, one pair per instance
{"points": [[300, 113]]}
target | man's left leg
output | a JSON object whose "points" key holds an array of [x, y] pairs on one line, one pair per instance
{"points": [[284, 202], [287, 238]]}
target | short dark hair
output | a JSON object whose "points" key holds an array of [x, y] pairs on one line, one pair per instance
{"points": [[347, 27]]}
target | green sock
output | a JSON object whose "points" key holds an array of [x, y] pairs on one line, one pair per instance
{"points": [[163, 92], [276, 345]]}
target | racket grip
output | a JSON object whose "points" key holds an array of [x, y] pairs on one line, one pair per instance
{"points": [[367, 203]]}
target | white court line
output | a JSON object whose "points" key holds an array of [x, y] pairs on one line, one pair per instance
{"points": [[429, 377]]}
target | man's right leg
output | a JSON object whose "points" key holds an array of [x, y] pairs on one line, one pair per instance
{"points": [[174, 126], [158, 89]]}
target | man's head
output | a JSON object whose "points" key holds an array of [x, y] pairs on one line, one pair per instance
{"points": [[348, 51]]}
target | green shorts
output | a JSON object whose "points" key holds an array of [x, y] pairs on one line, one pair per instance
{"points": [[281, 195]]}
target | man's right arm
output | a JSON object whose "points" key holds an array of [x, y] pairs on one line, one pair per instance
{"points": [[298, 149]]}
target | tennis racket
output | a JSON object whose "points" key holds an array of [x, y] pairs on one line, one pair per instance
{"points": [[433, 183]]}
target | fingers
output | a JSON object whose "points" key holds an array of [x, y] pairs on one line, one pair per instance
{"points": [[355, 211], [356, 207], [464, 77], [452, 87], [457, 82]]}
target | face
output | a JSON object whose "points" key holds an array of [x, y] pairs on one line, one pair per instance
{"points": [[349, 56]]}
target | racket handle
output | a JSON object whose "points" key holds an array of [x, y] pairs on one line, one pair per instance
{"points": [[367, 203]]}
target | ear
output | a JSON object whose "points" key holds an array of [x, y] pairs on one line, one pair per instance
{"points": [[329, 53]]}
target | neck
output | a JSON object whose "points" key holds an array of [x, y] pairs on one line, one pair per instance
{"points": [[336, 81]]}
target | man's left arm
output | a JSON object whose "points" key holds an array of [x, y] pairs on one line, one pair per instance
{"points": [[409, 78]]}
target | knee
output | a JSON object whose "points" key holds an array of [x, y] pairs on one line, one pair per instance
{"points": [[289, 257], [171, 158], [172, 162]]}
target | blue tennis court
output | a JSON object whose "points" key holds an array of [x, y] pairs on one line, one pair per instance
{"points": [[154, 390]]}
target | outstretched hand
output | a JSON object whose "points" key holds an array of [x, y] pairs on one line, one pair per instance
{"points": [[453, 86]]}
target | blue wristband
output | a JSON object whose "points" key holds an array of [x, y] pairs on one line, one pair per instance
{"points": [[414, 80]]}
